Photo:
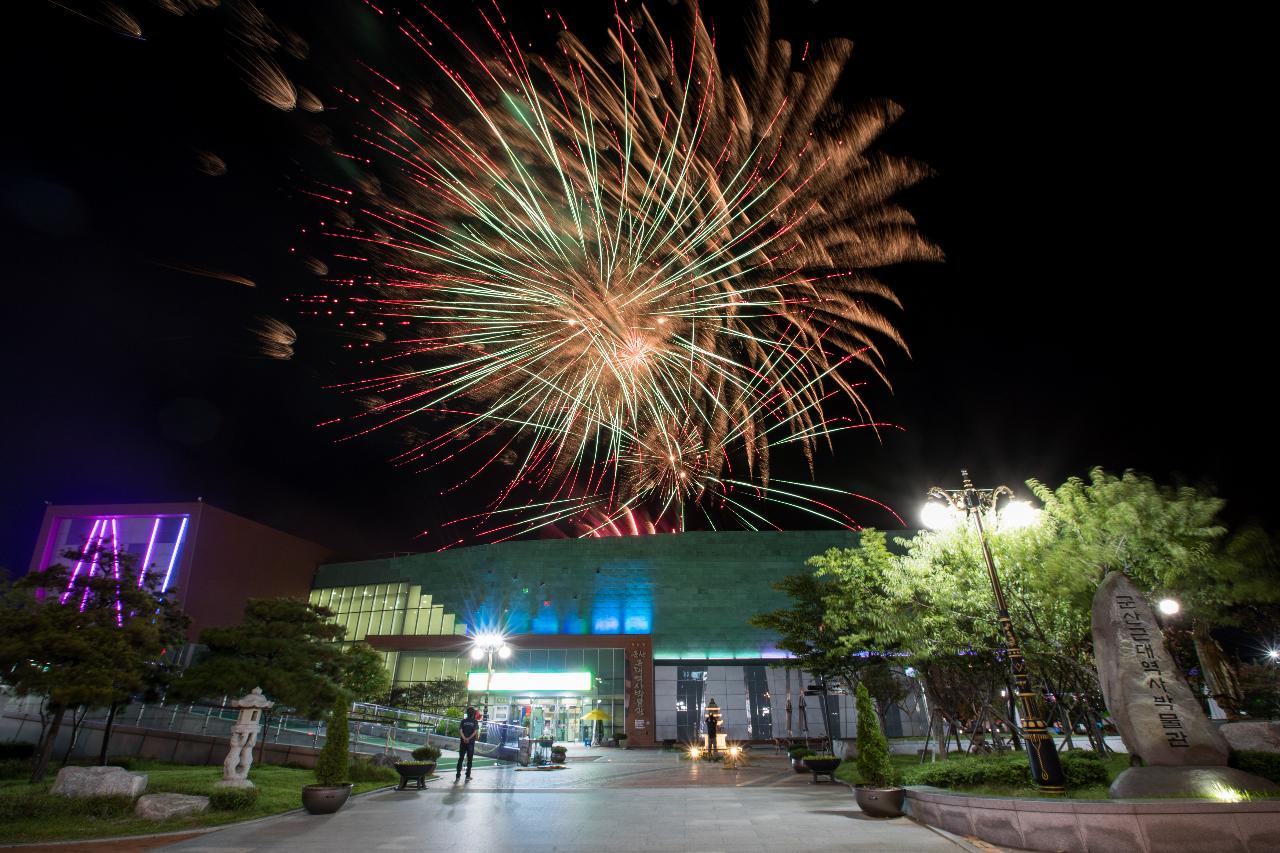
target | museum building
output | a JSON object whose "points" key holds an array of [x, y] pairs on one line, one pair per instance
{"points": [[649, 629]]}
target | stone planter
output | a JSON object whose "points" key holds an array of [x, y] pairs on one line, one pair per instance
{"points": [[414, 773], [880, 802], [325, 799]]}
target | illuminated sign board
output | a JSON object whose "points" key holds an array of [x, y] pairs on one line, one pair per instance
{"points": [[521, 681]]}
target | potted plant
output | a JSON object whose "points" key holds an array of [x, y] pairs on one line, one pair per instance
{"points": [[332, 788], [621, 739], [821, 764], [417, 770], [878, 795], [558, 753], [798, 755]]}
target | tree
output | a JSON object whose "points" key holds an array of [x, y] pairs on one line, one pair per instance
{"points": [[333, 767], [434, 697], [364, 674], [874, 766], [284, 645], [90, 636], [1168, 541]]}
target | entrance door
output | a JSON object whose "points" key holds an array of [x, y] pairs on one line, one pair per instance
{"points": [[556, 717]]}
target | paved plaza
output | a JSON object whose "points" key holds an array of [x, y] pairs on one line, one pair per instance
{"points": [[667, 805]]}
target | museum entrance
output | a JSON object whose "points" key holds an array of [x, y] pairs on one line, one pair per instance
{"points": [[557, 717]]}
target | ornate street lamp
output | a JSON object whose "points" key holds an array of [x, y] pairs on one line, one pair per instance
{"points": [[486, 645], [945, 509]]}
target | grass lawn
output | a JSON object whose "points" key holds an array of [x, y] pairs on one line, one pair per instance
{"points": [[29, 813]]}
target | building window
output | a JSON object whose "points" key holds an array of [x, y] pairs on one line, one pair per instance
{"points": [[759, 721], [690, 687]]}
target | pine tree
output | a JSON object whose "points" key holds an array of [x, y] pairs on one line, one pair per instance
{"points": [[873, 750], [333, 766]]}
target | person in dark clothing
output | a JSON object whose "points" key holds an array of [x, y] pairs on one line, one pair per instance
{"points": [[711, 734], [468, 733]]}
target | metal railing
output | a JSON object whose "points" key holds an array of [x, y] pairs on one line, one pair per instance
{"points": [[373, 728]]}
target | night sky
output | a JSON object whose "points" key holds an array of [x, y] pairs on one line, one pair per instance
{"points": [[1098, 304]]}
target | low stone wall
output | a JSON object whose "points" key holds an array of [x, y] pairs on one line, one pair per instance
{"points": [[1108, 826]]}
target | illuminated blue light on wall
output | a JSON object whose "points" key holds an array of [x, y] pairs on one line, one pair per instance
{"points": [[574, 624], [546, 621]]}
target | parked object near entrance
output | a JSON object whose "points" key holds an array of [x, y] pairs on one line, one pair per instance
{"points": [[1152, 706], [244, 735]]}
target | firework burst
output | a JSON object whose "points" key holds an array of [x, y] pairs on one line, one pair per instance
{"points": [[629, 266]]}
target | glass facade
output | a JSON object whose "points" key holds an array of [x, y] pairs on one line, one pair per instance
{"points": [[759, 717], [386, 608], [690, 687], [154, 541]]}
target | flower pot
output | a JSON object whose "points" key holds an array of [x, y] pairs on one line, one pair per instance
{"points": [[797, 764], [880, 802], [821, 765], [414, 773], [325, 799]]}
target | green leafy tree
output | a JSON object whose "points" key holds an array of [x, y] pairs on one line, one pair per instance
{"points": [[94, 643], [874, 766], [364, 674], [333, 767], [1168, 541], [284, 645]]}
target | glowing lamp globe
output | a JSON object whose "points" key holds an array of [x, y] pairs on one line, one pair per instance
{"points": [[1168, 606], [1017, 515], [504, 652], [477, 653], [937, 516]]}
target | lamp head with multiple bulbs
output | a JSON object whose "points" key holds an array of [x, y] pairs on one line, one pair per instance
{"points": [[487, 643]]}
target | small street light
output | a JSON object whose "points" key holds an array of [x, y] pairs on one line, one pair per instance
{"points": [[968, 502], [1169, 606], [485, 645]]}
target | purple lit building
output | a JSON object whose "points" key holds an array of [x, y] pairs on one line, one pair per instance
{"points": [[212, 559]]}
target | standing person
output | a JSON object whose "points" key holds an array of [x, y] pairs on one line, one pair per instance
{"points": [[468, 732], [711, 734]]}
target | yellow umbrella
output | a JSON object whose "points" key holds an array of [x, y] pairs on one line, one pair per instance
{"points": [[596, 718], [597, 714]]}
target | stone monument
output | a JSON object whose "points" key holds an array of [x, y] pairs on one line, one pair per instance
{"points": [[244, 734], [1159, 718]]}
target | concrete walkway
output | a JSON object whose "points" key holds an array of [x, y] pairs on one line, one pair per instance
{"points": [[625, 801]]}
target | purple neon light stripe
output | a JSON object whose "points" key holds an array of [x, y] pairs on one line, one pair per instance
{"points": [[75, 572], [177, 546], [115, 569], [84, 599], [146, 560]]}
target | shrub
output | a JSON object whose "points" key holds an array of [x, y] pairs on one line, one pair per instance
{"points": [[1083, 769], [426, 753], [1264, 764], [449, 727], [15, 768], [14, 750], [821, 756], [38, 804], [233, 799], [873, 763], [363, 770], [799, 751], [333, 766]]}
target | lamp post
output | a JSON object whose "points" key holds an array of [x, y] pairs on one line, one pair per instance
{"points": [[972, 503], [485, 645]]}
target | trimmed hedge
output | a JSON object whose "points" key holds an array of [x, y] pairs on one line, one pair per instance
{"points": [[426, 753], [1264, 764], [364, 770], [800, 752], [29, 804], [1081, 769], [233, 799]]}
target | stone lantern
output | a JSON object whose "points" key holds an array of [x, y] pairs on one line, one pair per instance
{"points": [[244, 734]]}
